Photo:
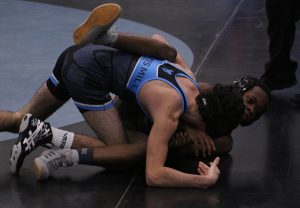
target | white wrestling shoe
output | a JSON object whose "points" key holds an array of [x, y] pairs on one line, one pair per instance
{"points": [[32, 133], [51, 160], [97, 23]]}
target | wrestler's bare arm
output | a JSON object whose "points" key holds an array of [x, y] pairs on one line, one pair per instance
{"points": [[157, 174], [165, 112]]}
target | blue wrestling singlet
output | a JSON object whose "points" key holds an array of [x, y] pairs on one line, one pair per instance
{"points": [[88, 74], [148, 69]]}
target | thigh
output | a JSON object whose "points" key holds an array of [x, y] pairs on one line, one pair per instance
{"points": [[42, 104], [107, 125], [51, 95], [133, 118], [136, 136]]}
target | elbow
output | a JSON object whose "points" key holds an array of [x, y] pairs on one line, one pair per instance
{"points": [[152, 179], [167, 52]]}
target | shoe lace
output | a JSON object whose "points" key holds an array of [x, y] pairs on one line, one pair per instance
{"points": [[44, 132], [57, 160], [29, 141]]}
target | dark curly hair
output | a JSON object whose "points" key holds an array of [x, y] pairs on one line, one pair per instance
{"points": [[221, 109]]}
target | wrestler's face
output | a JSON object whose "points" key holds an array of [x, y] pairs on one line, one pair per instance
{"points": [[256, 102]]}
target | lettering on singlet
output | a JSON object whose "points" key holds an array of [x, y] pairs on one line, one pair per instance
{"points": [[139, 74]]}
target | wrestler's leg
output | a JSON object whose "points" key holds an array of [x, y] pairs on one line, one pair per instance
{"points": [[122, 155], [46, 100], [121, 147], [124, 149], [97, 23], [32, 132], [100, 121], [41, 105], [107, 125], [114, 156], [94, 29], [108, 129], [109, 153]]}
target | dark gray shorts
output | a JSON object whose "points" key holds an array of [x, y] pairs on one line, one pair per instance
{"points": [[88, 74]]}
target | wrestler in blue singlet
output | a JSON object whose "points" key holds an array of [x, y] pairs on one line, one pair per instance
{"points": [[88, 74], [148, 69]]}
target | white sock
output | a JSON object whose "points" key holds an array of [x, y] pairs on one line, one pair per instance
{"points": [[61, 138], [109, 38]]}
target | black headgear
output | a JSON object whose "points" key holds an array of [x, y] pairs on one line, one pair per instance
{"points": [[246, 83]]}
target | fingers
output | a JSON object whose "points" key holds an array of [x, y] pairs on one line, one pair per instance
{"points": [[202, 168], [213, 169], [207, 145], [204, 144], [202, 171], [210, 145], [215, 162], [181, 138], [202, 164], [199, 146]]}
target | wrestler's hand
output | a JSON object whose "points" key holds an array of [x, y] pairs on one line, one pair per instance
{"points": [[181, 138], [202, 142], [212, 172]]}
